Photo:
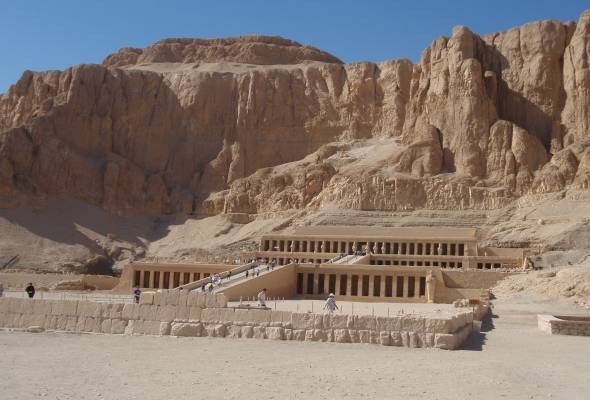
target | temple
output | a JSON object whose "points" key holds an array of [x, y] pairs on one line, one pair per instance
{"points": [[407, 264]]}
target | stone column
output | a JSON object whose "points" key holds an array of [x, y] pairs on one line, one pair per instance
{"points": [[337, 285], [152, 273], [405, 286], [430, 287], [316, 282], [141, 276], [326, 283], [382, 291], [161, 280], [371, 284], [348, 284], [394, 285], [305, 283]]}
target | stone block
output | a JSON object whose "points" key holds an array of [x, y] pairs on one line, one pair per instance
{"points": [[130, 311], [151, 328], [160, 298], [89, 309], [288, 334], [413, 324], [172, 298], [247, 332], [118, 326], [41, 307], [210, 301], [148, 312], [72, 324], [354, 336], [106, 326], [275, 333], [446, 341], [405, 339], [396, 338], [61, 322], [195, 313], [146, 298], [385, 338], [50, 322], [388, 323], [166, 313], [254, 317], [116, 311], [65, 308], [201, 300], [426, 340], [234, 331], [299, 334], [32, 320], [93, 324], [341, 336], [303, 321], [364, 336], [164, 328], [182, 313], [365, 322], [27, 306], [221, 315], [220, 300], [338, 321], [259, 332], [182, 298], [413, 340], [280, 317], [186, 329], [192, 299], [437, 325], [132, 327]]}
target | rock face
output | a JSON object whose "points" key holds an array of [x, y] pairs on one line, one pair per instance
{"points": [[256, 124]]}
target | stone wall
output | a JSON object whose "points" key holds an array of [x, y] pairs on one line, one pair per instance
{"points": [[564, 325], [207, 315]]}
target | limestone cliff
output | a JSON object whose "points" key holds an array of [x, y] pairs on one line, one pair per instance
{"points": [[257, 124]]}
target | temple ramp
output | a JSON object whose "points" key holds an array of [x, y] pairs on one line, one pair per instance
{"points": [[279, 282]]}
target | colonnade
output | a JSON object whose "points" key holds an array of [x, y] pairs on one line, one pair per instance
{"points": [[160, 279], [409, 247], [408, 285]]}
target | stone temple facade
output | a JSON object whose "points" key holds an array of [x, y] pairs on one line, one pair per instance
{"points": [[426, 264]]}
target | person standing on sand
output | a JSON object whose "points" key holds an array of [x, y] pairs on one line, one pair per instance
{"points": [[262, 298], [1, 289], [136, 294], [30, 290], [330, 305]]}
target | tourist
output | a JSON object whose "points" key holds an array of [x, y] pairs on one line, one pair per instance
{"points": [[246, 273], [211, 288], [136, 294], [262, 298], [30, 290], [203, 287], [1, 289], [330, 305], [229, 275], [257, 272]]}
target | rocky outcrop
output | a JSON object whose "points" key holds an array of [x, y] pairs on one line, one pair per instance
{"points": [[255, 124], [260, 50]]}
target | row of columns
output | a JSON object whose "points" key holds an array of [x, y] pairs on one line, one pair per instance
{"points": [[139, 278], [373, 247], [427, 283]]}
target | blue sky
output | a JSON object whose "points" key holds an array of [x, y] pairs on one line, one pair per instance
{"points": [[41, 35]]}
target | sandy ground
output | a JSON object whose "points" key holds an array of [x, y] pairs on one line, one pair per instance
{"points": [[511, 359]]}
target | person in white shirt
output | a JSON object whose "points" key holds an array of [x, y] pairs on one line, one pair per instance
{"points": [[330, 305], [262, 298]]}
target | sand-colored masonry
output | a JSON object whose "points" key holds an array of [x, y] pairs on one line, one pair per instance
{"points": [[206, 315]]}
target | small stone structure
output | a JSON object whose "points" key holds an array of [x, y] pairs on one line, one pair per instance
{"points": [[564, 324], [195, 314]]}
